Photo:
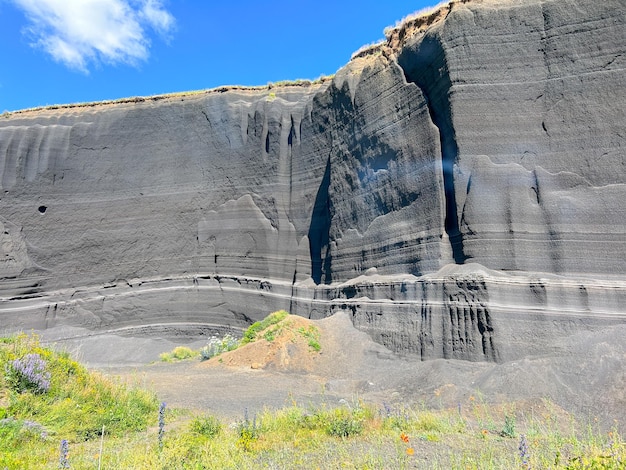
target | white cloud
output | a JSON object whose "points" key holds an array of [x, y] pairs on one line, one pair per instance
{"points": [[80, 32], [154, 13]]}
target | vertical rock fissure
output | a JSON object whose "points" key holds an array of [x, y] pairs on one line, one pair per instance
{"points": [[319, 231], [426, 67], [467, 328]]}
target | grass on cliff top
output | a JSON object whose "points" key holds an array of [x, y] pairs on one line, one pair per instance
{"points": [[53, 411], [300, 82]]}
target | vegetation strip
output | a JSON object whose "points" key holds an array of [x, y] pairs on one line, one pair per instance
{"points": [[54, 413]]}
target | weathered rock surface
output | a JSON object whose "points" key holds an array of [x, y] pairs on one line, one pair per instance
{"points": [[458, 189]]}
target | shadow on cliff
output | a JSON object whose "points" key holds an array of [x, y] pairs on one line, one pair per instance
{"points": [[425, 65], [319, 232]]}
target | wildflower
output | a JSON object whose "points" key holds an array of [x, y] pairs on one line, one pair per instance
{"points": [[485, 432], [523, 452], [29, 372], [410, 451], [161, 423], [35, 428], [64, 455], [404, 437]]}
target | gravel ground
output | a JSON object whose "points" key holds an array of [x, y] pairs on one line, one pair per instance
{"points": [[589, 381]]}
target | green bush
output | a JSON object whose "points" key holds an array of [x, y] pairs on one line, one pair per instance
{"points": [[509, 426], [179, 353], [344, 427], [207, 426], [343, 422], [250, 335]]}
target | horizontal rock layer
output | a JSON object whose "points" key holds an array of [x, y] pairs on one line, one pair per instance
{"points": [[460, 193]]}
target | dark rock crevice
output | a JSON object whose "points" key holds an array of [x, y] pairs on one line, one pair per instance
{"points": [[319, 232], [468, 331], [425, 66]]}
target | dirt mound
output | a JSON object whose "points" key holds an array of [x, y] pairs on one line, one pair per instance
{"points": [[331, 350], [291, 345]]}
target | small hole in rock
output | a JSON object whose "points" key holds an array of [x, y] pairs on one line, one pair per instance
{"points": [[42, 209]]}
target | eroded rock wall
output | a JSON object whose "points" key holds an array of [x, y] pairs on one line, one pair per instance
{"points": [[459, 192], [529, 97]]}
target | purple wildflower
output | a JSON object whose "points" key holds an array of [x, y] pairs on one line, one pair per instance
{"points": [[64, 455], [523, 452], [29, 372], [161, 423]]}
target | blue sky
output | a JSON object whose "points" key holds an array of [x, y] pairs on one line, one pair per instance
{"points": [[67, 51]]}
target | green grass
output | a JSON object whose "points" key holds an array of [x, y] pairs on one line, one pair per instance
{"points": [[254, 330], [179, 353], [79, 403], [312, 334], [75, 407]]}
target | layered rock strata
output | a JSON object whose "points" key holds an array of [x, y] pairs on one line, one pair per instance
{"points": [[459, 189]]}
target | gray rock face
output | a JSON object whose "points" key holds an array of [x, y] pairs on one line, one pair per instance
{"points": [[459, 190], [530, 100]]}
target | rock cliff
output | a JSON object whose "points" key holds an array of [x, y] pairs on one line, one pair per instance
{"points": [[458, 189]]}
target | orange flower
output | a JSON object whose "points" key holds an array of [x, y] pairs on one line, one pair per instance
{"points": [[404, 437], [485, 432], [410, 451]]}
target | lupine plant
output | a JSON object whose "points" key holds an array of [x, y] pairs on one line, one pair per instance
{"points": [[248, 431], [29, 373], [523, 452], [161, 423], [64, 461]]}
